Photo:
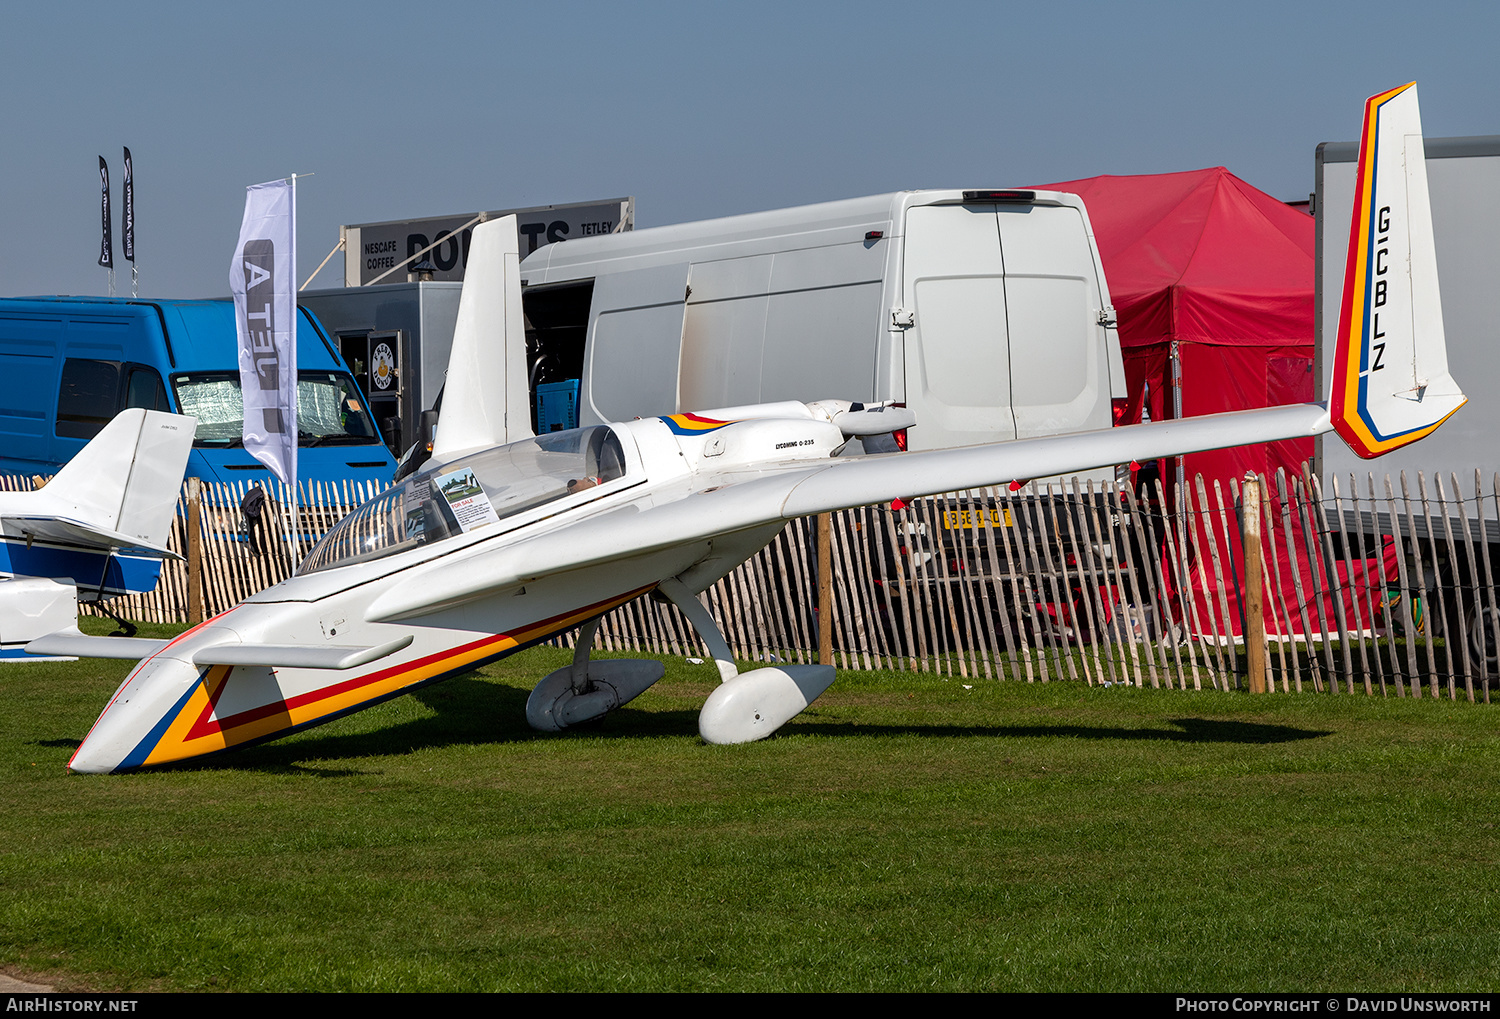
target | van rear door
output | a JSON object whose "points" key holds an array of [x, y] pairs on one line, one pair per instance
{"points": [[634, 344], [1059, 374], [958, 378], [1005, 340]]}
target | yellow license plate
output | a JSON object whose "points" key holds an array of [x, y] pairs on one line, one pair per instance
{"points": [[995, 517]]}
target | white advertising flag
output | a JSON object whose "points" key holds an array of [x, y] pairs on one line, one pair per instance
{"points": [[263, 281]]}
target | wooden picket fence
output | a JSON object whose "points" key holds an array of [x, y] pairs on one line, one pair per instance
{"points": [[1381, 586]]}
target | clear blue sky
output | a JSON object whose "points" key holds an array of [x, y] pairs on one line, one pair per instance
{"points": [[698, 109]]}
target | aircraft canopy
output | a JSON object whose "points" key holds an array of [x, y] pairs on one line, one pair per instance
{"points": [[470, 493]]}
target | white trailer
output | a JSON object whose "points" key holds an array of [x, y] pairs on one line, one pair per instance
{"points": [[1463, 177], [986, 312]]}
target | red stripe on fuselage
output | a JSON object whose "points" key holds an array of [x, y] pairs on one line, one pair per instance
{"points": [[206, 724]]}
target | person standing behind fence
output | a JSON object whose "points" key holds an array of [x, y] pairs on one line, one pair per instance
{"points": [[252, 527]]}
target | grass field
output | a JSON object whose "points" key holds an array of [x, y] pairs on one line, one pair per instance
{"points": [[906, 833]]}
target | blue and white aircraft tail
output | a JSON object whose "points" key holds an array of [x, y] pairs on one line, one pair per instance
{"points": [[98, 529]]}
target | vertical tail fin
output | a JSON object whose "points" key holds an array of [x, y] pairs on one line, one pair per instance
{"points": [[1391, 384], [485, 397], [127, 478]]}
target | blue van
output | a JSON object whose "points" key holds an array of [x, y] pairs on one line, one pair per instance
{"points": [[69, 364]]}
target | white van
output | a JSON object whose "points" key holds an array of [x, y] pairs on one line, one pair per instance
{"points": [[986, 312]]}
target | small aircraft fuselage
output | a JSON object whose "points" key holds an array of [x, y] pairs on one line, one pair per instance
{"points": [[368, 583]]}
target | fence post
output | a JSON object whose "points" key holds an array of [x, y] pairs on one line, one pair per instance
{"points": [[1255, 620], [195, 551], [825, 589]]}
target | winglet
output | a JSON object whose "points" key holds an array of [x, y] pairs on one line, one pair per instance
{"points": [[1391, 384], [485, 398]]}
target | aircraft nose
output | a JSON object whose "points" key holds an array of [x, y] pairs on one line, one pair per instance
{"points": [[140, 714]]}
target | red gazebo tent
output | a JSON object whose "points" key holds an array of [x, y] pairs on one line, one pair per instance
{"points": [[1203, 258], [1226, 271]]}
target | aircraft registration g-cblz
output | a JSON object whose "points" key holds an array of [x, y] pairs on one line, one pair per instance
{"points": [[1391, 384], [505, 539]]}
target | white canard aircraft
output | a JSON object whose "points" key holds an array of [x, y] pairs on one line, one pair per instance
{"points": [[97, 530], [502, 541]]}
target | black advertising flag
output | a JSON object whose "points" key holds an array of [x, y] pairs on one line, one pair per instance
{"points": [[106, 243], [127, 223]]}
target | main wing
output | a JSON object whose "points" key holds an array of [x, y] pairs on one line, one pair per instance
{"points": [[726, 505], [1393, 269]]}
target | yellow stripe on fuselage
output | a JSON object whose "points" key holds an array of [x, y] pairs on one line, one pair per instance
{"points": [[196, 731]]}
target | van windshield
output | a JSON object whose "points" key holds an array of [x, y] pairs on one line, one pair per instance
{"points": [[329, 410]]}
